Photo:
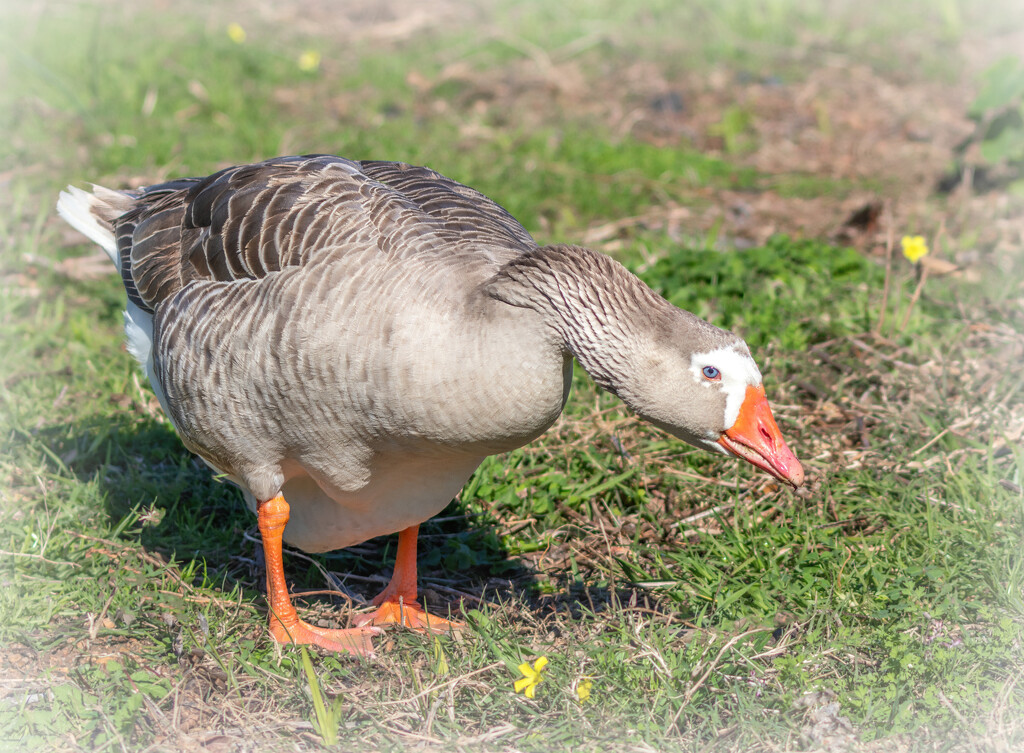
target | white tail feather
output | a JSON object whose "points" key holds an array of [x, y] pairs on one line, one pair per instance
{"points": [[76, 207], [91, 214]]}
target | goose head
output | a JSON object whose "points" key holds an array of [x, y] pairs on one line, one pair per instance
{"points": [[701, 384], [686, 376]]}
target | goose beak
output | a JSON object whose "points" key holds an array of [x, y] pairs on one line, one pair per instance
{"points": [[756, 438]]}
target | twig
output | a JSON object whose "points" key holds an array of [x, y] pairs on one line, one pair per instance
{"points": [[460, 594], [697, 516], [37, 557], [839, 577], [321, 592], [196, 599], [890, 241], [96, 622], [698, 477], [449, 683], [692, 690], [930, 442], [875, 352], [331, 579], [535, 52], [457, 518], [913, 298], [946, 702]]}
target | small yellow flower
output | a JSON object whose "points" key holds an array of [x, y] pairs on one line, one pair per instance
{"points": [[914, 248], [583, 689], [236, 33], [309, 60], [531, 676]]}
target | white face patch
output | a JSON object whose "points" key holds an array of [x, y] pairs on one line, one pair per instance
{"points": [[738, 371]]}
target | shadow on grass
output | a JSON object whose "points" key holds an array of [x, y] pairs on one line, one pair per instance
{"points": [[161, 497]]}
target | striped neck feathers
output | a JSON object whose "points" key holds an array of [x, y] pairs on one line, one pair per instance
{"points": [[622, 332]]}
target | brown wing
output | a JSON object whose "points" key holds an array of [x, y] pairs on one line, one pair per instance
{"points": [[464, 210], [249, 221]]}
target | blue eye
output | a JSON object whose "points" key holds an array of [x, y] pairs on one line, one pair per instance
{"points": [[711, 372]]}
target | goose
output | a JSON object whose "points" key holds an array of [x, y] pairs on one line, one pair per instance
{"points": [[348, 340]]}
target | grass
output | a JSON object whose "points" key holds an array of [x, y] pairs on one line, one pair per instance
{"points": [[707, 607]]}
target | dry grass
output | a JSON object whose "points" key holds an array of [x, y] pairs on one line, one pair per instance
{"points": [[880, 609]]}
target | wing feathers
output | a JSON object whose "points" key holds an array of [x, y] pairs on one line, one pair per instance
{"points": [[250, 221]]}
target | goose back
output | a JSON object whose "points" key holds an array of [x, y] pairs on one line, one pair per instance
{"points": [[249, 221]]}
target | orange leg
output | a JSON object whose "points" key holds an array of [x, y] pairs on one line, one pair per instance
{"points": [[396, 604], [285, 625]]}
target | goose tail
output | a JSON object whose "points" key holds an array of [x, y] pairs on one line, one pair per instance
{"points": [[92, 214]]}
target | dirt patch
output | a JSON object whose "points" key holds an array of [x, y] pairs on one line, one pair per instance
{"points": [[842, 138]]}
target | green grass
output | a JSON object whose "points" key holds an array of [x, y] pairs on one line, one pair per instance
{"points": [[708, 608]]}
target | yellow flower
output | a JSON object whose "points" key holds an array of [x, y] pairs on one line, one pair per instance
{"points": [[309, 60], [531, 676], [236, 33], [914, 247], [583, 689]]}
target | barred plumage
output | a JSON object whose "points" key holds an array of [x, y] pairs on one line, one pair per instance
{"points": [[358, 336]]}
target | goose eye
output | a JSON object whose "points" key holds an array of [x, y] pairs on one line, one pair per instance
{"points": [[712, 373]]}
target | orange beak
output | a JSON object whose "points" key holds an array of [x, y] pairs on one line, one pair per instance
{"points": [[756, 438]]}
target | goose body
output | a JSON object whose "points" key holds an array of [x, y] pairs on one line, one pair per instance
{"points": [[356, 337]]}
